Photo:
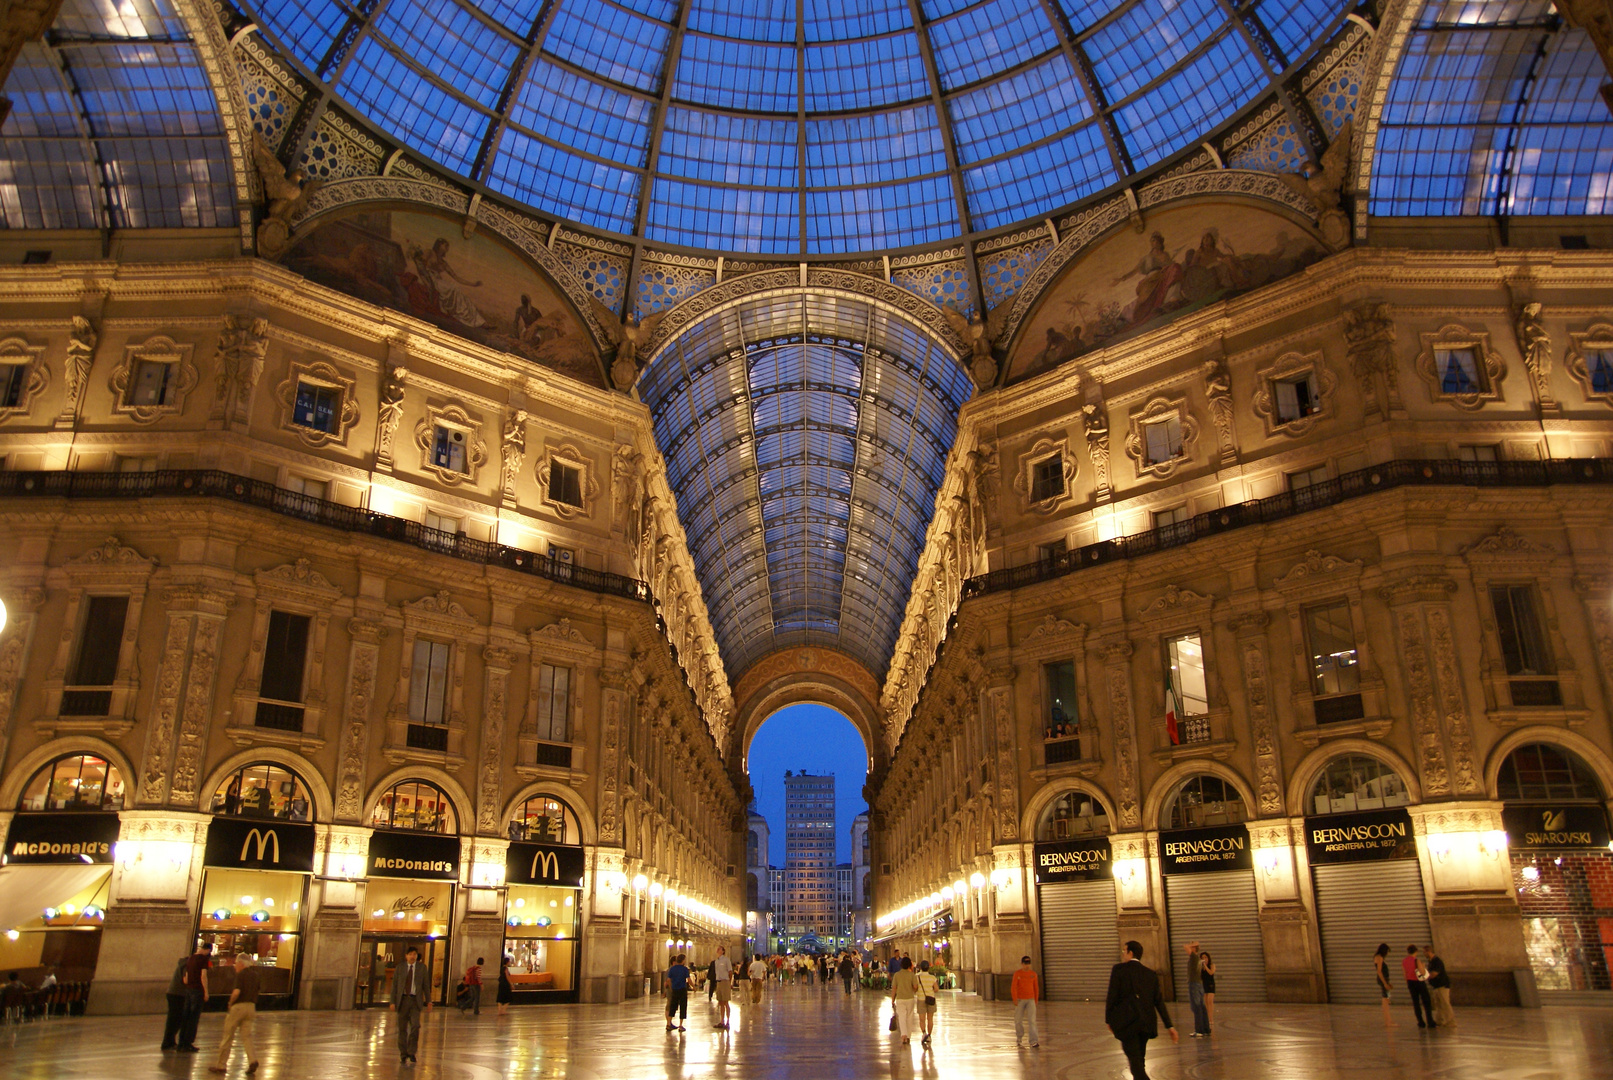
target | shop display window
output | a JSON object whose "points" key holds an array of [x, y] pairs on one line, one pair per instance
{"points": [[258, 913], [417, 805], [75, 782], [262, 790], [64, 936], [1073, 815], [540, 937], [406, 907], [1546, 773], [1567, 906], [545, 821], [1354, 782], [1203, 801]]}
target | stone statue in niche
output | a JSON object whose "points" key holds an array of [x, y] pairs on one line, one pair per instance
{"points": [[514, 448], [1323, 187], [288, 192], [978, 333], [1534, 342], [80, 355], [393, 385], [628, 336]]}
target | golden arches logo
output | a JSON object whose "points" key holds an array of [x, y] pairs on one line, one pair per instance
{"points": [[550, 864], [264, 837]]}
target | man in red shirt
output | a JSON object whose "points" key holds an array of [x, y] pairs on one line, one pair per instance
{"points": [[195, 995], [473, 985], [1025, 989]]}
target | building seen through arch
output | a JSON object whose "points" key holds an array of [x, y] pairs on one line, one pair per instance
{"points": [[1176, 437]]}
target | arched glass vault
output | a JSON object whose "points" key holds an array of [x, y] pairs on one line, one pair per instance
{"points": [[805, 436]]}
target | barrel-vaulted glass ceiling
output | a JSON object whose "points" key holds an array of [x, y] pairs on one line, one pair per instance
{"points": [[805, 438], [799, 126]]}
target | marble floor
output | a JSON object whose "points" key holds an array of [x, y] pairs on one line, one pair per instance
{"points": [[799, 1032]]}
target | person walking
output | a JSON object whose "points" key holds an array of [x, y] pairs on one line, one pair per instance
{"points": [[195, 995], [904, 990], [506, 990], [848, 971], [1417, 985], [1130, 1007], [722, 975], [176, 1005], [1025, 990], [758, 975], [1207, 966], [928, 992], [1380, 968], [411, 991], [676, 984], [473, 986], [1195, 992], [711, 978], [243, 1009], [1439, 987]]}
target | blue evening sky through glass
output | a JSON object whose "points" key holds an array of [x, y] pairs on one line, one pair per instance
{"points": [[819, 740]]}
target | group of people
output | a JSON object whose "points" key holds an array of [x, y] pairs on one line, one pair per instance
{"points": [[1427, 982], [187, 995]]}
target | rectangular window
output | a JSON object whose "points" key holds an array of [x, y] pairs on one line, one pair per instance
{"points": [[285, 656], [13, 377], [1523, 646], [136, 464], [428, 683], [443, 523], [1185, 656], [1162, 440], [1304, 478], [100, 641], [1049, 552], [565, 483], [149, 386], [1331, 637], [1063, 715], [302, 485], [448, 449], [1047, 478], [1458, 371], [1478, 453], [1296, 398], [1599, 364], [554, 696], [317, 407]]}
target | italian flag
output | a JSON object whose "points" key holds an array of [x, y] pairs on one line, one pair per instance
{"points": [[1170, 711]]}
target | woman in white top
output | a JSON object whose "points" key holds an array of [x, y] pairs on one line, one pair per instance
{"points": [[928, 992]]}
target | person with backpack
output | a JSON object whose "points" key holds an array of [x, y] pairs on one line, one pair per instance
{"points": [[1130, 1007]]}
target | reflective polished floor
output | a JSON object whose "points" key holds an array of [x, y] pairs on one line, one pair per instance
{"points": [[808, 1033]]}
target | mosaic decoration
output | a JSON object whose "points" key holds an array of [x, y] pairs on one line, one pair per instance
{"points": [[663, 284], [1002, 273], [942, 284], [1333, 85], [337, 150], [272, 92], [1274, 147]]}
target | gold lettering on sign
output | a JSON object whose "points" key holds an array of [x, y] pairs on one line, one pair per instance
{"points": [[430, 866], [264, 837], [550, 864]]}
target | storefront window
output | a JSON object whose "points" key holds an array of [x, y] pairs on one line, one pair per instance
{"points": [[407, 907], [262, 790], [1546, 773], [258, 913], [1353, 782], [418, 805], [544, 820], [65, 936], [76, 782], [1073, 815], [540, 935], [1202, 801]]}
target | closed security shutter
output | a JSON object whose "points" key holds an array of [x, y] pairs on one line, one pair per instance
{"points": [[1220, 912], [1361, 906], [1079, 940]]}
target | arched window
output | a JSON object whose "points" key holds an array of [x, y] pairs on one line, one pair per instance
{"points": [[544, 820], [263, 790], [75, 782], [751, 893], [1546, 772], [1073, 815], [1203, 800], [418, 805], [752, 848], [1354, 782]]}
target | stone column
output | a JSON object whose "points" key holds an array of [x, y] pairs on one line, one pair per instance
{"points": [[604, 960], [1420, 605], [1013, 933], [1140, 899], [331, 931], [1117, 677], [1287, 927], [156, 887], [363, 657], [480, 932], [15, 646], [187, 678]]}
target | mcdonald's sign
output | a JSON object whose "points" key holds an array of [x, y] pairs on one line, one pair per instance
{"points": [[544, 864], [259, 844]]}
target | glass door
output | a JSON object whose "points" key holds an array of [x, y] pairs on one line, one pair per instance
{"points": [[378, 959]]}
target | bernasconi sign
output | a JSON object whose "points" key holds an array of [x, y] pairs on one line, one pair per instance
{"points": [[1073, 860], [1196, 851], [260, 844], [1554, 827], [1362, 837], [544, 864], [62, 838]]}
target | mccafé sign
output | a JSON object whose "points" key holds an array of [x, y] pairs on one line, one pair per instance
{"points": [[544, 864], [1196, 851], [61, 838], [1073, 860], [1363, 837], [260, 844], [1554, 827], [414, 855]]}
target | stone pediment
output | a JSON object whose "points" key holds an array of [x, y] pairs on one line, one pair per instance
{"points": [[298, 575], [1315, 565]]}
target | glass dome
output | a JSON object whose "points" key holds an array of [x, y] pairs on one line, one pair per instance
{"points": [[799, 126]]}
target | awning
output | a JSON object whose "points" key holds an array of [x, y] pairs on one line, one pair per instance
{"points": [[27, 890], [917, 926]]}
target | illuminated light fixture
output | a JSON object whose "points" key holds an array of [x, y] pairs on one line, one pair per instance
{"points": [[12, 935], [246, 901], [268, 901], [655, 889], [285, 937], [1530, 873], [260, 916], [543, 920], [946, 892], [520, 902], [1440, 845], [959, 886], [935, 898], [1493, 843], [639, 882], [977, 879], [1270, 860], [221, 914]]}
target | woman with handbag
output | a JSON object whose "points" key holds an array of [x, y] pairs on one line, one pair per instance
{"points": [[904, 988], [929, 989]]}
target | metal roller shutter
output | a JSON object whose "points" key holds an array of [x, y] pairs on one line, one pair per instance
{"points": [[1221, 913], [1361, 906], [1079, 940]]}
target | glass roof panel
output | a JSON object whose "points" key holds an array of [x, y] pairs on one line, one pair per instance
{"points": [[742, 151], [542, 175], [120, 19], [517, 15], [1148, 39], [865, 74], [466, 53], [838, 20], [1083, 15], [306, 27], [749, 20], [1030, 184], [609, 41], [727, 74], [723, 218], [403, 100], [1176, 110], [989, 39], [874, 148], [582, 114], [1296, 25], [1029, 105]]}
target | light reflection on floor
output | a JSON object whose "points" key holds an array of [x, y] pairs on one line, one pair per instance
{"points": [[814, 1034]]}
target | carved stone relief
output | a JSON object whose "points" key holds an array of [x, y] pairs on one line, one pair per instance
{"points": [[514, 448], [242, 346], [1257, 695], [1117, 675], [1458, 730], [1424, 710], [1218, 394], [1095, 422], [81, 342], [495, 702], [199, 689], [1002, 716], [363, 657], [389, 410], [1534, 343], [1369, 336]]}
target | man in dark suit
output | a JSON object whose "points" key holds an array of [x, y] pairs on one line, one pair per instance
{"points": [[411, 991], [1133, 1000]]}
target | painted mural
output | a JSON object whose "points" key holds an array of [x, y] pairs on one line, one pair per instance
{"points": [[476, 288], [1128, 284]]}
